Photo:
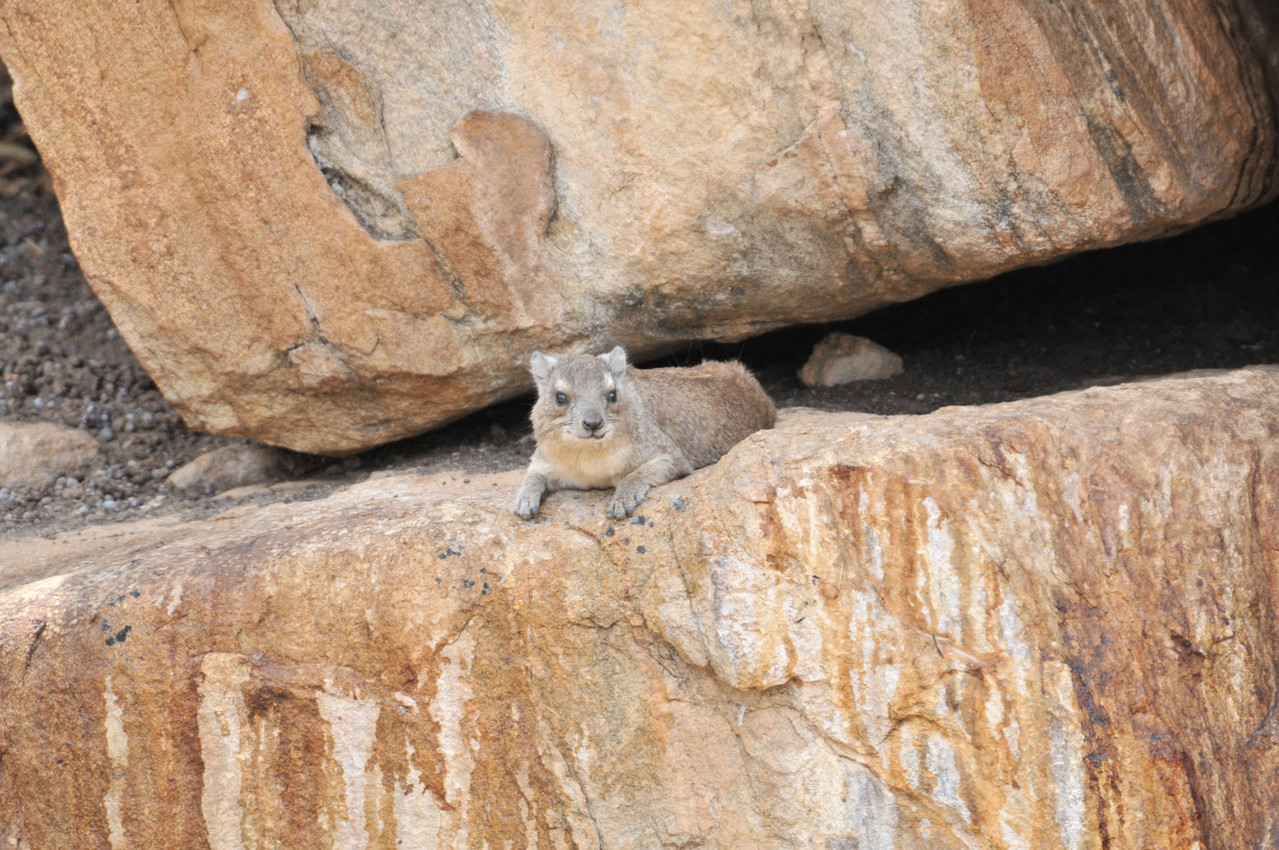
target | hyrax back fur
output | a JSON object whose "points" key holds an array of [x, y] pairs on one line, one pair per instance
{"points": [[602, 423]]}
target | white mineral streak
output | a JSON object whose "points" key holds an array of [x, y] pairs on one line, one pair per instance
{"points": [[1019, 655], [1073, 494], [118, 753], [841, 798], [583, 830], [874, 549], [874, 681], [449, 709], [1066, 751], [945, 587], [175, 597], [220, 718], [417, 816], [678, 619], [767, 623], [940, 760], [526, 813], [871, 811], [876, 554], [1021, 490], [1013, 836], [909, 757], [739, 596], [353, 729]]}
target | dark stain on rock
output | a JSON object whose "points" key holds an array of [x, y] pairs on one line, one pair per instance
{"points": [[1115, 150], [265, 699], [111, 603]]}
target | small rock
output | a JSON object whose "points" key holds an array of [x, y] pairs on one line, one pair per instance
{"points": [[227, 468], [841, 358], [35, 454]]}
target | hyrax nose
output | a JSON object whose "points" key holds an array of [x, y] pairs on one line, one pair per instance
{"points": [[593, 424]]}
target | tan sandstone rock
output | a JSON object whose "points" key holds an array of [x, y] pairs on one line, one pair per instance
{"points": [[34, 454], [1043, 624], [328, 225]]}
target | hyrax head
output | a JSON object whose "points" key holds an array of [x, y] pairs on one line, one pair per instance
{"points": [[579, 395]]}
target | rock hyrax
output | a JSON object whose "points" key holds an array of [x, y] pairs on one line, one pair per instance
{"points": [[602, 423]]}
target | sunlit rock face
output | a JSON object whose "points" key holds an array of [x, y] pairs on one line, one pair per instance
{"points": [[1042, 624], [328, 225]]}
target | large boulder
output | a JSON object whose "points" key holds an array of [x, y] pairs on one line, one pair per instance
{"points": [[326, 225], [1044, 624]]}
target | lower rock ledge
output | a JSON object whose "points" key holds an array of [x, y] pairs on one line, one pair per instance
{"points": [[1042, 624]]}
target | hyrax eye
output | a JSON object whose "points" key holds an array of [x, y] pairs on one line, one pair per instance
{"points": [[561, 399], [612, 396]]}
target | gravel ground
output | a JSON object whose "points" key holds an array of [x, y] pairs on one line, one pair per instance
{"points": [[1205, 299]]}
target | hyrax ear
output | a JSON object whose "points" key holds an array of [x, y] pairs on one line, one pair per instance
{"points": [[541, 365], [615, 360]]}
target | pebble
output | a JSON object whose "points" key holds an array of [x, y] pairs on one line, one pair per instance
{"points": [[227, 468], [842, 358], [36, 454]]}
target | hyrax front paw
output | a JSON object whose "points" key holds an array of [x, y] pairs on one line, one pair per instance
{"points": [[626, 499], [526, 504]]}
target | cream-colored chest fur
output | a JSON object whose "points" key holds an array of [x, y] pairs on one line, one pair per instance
{"points": [[588, 464]]}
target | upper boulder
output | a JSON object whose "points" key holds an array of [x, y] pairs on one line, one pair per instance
{"points": [[329, 225]]}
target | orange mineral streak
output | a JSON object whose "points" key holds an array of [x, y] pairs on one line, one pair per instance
{"points": [[1049, 623]]}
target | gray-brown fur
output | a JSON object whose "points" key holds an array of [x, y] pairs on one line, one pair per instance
{"points": [[661, 424]]}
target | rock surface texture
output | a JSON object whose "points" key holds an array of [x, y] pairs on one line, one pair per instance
{"points": [[328, 225], [1044, 624]]}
